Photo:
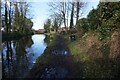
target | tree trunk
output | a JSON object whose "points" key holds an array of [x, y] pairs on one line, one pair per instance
{"points": [[10, 18], [6, 17], [77, 15], [67, 15], [64, 20], [72, 14], [64, 12]]}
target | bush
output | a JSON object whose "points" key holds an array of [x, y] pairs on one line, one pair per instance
{"points": [[103, 32], [52, 29]]}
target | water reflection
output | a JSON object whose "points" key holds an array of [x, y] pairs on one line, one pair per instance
{"points": [[48, 39], [19, 56], [38, 47]]}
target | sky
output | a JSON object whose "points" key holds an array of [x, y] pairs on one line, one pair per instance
{"points": [[40, 12]]}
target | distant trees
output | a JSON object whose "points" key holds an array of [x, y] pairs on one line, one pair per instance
{"points": [[60, 10], [56, 21], [14, 17], [66, 11], [47, 25], [55, 24]]}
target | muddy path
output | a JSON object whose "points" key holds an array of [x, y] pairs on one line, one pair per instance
{"points": [[57, 62]]}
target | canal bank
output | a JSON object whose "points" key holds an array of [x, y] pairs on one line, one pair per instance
{"points": [[19, 56], [55, 62]]}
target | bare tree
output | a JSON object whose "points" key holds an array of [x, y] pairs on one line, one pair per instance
{"points": [[10, 17], [72, 14], [79, 5], [6, 16], [58, 17], [59, 8]]}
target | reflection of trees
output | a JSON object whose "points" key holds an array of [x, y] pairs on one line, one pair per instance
{"points": [[21, 45], [48, 39], [21, 55], [9, 61]]}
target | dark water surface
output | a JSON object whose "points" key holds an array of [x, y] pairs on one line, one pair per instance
{"points": [[19, 56]]}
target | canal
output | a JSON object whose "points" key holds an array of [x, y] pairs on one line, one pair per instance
{"points": [[19, 56]]}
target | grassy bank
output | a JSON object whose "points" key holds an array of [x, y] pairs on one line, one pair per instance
{"points": [[76, 51], [94, 55], [74, 46], [89, 54]]}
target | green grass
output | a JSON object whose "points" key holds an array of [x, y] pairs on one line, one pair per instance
{"points": [[76, 52]]}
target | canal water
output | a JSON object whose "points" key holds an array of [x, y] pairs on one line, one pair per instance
{"points": [[19, 56]]}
